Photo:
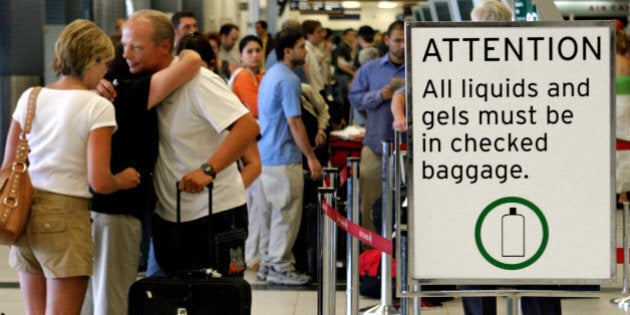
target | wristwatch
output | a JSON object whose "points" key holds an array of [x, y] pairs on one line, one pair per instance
{"points": [[208, 169]]}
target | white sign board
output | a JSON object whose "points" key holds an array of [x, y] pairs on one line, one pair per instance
{"points": [[512, 143]]}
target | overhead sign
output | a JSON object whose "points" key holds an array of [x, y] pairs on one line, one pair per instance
{"points": [[511, 143], [604, 9]]}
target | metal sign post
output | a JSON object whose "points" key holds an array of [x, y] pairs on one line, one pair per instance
{"points": [[406, 304], [386, 306], [624, 301]]}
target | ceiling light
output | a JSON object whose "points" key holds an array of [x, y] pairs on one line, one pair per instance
{"points": [[350, 4], [386, 5]]}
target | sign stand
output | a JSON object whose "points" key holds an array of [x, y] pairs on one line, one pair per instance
{"points": [[498, 129], [492, 124], [386, 306], [624, 301]]}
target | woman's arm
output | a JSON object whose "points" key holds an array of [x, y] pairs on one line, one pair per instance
{"points": [[167, 80], [253, 166], [100, 176], [12, 142]]}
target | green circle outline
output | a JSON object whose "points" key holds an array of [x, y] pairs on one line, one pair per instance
{"points": [[492, 206]]}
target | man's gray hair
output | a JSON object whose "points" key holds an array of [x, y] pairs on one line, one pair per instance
{"points": [[162, 26]]}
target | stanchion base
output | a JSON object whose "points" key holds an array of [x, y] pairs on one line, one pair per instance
{"points": [[618, 300], [622, 302], [380, 309]]}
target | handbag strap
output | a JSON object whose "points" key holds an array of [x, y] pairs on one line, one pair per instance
{"points": [[22, 151], [30, 114], [20, 166]]}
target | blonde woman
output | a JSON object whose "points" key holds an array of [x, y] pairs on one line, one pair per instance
{"points": [[70, 151]]}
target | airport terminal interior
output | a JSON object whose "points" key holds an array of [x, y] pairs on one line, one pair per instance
{"points": [[29, 29]]}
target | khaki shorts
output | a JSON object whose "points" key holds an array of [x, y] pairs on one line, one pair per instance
{"points": [[57, 239]]}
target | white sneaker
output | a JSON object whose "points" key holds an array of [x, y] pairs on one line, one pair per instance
{"points": [[261, 275], [287, 277]]}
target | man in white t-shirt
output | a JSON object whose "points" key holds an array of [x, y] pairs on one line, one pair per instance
{"points": [[203, 129]]}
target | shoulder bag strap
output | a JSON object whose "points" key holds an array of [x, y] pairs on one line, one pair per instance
{"points": [[20, 165], [22, 151], [30, 114]]}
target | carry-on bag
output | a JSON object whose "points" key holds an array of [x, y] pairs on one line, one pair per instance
{"points": [[191, 293]]}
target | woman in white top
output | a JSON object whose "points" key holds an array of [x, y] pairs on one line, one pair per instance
{"points": [[70, 151]]}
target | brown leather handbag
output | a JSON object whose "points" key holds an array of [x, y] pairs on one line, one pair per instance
{"points": [[16, 190]]}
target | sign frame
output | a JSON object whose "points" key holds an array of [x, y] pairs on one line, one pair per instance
{"points": [[412, 248]]}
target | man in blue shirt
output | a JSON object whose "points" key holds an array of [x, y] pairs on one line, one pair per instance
{"points": [[283, 142], [372, 91], [272, 58]]}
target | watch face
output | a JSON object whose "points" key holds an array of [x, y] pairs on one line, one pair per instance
{"points": [[208, 169]]}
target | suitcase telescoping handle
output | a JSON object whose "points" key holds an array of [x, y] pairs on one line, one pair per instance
{"points": [[179, 198]]}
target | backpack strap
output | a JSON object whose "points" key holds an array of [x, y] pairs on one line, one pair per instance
{"points": [[236, 73]]}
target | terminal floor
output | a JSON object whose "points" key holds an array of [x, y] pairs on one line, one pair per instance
{"points": [[287, 300]]}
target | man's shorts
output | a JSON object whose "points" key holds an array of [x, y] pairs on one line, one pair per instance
{"points": [[57, 239]]}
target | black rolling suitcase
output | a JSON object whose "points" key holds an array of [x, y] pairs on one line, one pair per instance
{"points": [[198, 292], [193, 293]]}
